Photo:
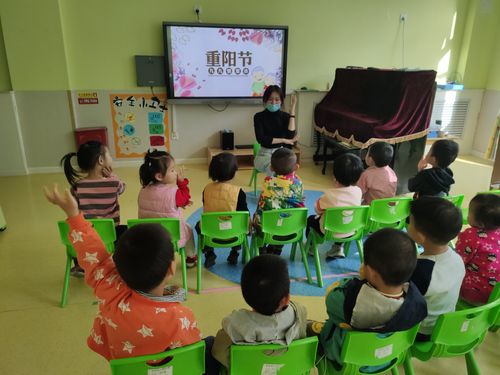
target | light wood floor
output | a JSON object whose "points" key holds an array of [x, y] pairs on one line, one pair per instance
{"points": [[38, 337]]}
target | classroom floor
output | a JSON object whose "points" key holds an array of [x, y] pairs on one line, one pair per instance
{"points": [[38, 337]]}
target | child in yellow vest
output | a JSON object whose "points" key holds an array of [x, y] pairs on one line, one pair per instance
{"points": [[221, 195]]}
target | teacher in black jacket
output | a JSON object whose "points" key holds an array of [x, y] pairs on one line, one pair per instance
{"points": [[273, 127]]}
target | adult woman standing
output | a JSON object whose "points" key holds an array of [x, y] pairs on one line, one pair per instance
{"points": [[273, 127]]}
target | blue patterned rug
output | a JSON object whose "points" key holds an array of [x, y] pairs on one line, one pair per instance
{"points": [[332, 270]]}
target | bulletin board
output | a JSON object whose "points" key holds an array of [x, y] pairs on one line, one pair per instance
{"points": [[140, 122]]}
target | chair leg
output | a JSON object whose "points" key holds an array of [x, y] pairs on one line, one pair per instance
{"points": [[360, 250], [306, 261], [347, 247], [292, 252], [184, 269], [245, 257], [472, 367], [407, 364], [198, 265], [64, 296], [317, 263]]}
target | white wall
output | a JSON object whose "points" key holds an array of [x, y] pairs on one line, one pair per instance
{"points": [[12, 159], [486, 123]]}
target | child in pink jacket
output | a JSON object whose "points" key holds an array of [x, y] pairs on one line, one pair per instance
{"points": [[164, 192]]}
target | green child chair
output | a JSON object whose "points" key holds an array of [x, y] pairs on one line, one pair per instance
{"points": [[255, 172], [455, 334], [294, 359], [362, 349], [494, 295], [457, 200], [388, 213], [106, 230], [185, 360], [173, 227], [339, 220], [222, 230], [281, 227]]}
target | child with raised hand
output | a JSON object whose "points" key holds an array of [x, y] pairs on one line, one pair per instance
{"points": [[479, 247], [284, 190], [164, 192], [221, 195], [96, 189], [435, 181], [272, 319], [347, 169], [378, 180], [138, 313], [382, 300], [434, 222]]}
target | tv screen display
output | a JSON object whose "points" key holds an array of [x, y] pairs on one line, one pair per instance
{"points": [[214, 61]]}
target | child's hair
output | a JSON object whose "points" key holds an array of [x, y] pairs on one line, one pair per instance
{"points": [[381, 153], [143, 255], [270, 89], [392, 254], [445, 151], [154, 162], [486, 210], [265, 282], [283, 161], [223, 167], [437, 218], [347, 169], [87, 157]]}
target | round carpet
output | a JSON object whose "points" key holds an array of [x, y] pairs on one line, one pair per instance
{"points": [[332, 270]]}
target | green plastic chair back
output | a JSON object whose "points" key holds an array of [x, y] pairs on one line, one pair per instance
{"points": [[457, 200], [494, 295], [222, 230], [297, 358], [361, 349], [255, 172], [456, 333], [283, 222], [173, 227], [106, 230], [388, 212], [185, 360], [281, 227], [339, 220]]}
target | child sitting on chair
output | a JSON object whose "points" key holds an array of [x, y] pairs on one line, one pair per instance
{"points": [[434, 222], [221, 195], [479, 247], [378, 180], [138, 313], [284, 190], [383, 299], [273, 318], [346, 171], [435, 181], [164, 192]]}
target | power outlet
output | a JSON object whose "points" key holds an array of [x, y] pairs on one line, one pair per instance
{"points": [[403, 17], [175, 136]]}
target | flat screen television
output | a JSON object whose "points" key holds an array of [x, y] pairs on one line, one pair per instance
{"points": [[206, 62]]}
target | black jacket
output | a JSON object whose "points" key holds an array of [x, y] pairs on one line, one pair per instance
{"points": [[432, 181]]}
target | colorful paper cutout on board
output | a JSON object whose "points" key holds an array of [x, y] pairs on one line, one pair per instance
{"points": [[140, 121]]}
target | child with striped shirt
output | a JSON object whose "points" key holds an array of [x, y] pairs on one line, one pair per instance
{"points": [[95, 188]]}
